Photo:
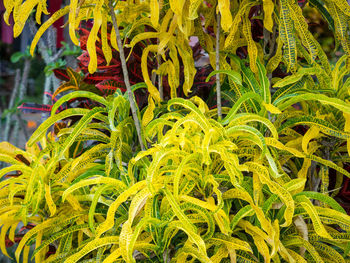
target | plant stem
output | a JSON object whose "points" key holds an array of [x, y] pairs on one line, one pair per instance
{"points": [[11, 104], [160, 81], [22, 93], [126, 76], [217, 60]]}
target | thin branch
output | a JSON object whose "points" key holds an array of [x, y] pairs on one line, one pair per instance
{"points": [[22, 93], [126, 76], [11, 105], [160, 80], [217, 59]]}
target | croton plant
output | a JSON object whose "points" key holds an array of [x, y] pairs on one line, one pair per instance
{"points": [[192, 131]]}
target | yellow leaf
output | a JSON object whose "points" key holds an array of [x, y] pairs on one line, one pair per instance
{"points": [[151, 88], [274, 187], [22, 15], [148, 115], [49, 201], [46, 25], [252, 49], [192, 11], [226, 16], [271, 108], [4, 229], [268, 11], [113, 256], [107, 51], [109, 223], [90, 46], [73, 7], [154, 6], [347, 129], [316, 221], [312, 133]]}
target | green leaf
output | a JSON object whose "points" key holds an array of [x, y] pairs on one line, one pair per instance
{"points": [[235, 76]]}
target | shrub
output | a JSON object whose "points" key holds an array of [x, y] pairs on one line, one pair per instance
{"points": [[238, 173]]}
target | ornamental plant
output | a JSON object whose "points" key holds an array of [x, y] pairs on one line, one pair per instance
{"points": [[145, 163]]}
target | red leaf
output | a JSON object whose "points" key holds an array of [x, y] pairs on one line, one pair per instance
{"points": [[28, 107], [61, 74], [110, 86]]}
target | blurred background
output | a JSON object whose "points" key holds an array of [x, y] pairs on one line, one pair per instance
{"points": [[28, 82]]}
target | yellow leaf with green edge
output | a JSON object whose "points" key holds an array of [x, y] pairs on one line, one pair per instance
{"points": [[312, 212], [232, 242], [46, 224], [124, 240], [312, 133], [42, 129], [271, 108], [26, 251], [151, 88], [189, 69], [92, 245], [38, 241], [300, 242], [220, 254], [13, 231], [99, 180], [185, 224], [46, 25], [231, 38], [329, 251], [113, 38], [328, 163], [186, 250], [252, 49], [109, 222], [58, 235], [25, 170], [282, 193], [178, 212], [262, 247], [198, 202], [134, 235], [50, 203], [347, 129], [3, 233], [295, 186], [334, 102], [277, 144], [148, 115], [113, 256], [241, 194], [243, 118], [304, 169], [165, 20], [252, 230], [226, 16], [106, 49], [137, 203], [298, 258], [165, 38]]}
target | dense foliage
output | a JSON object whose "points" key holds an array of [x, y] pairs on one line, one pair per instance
{"points": [[252, 185]]}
